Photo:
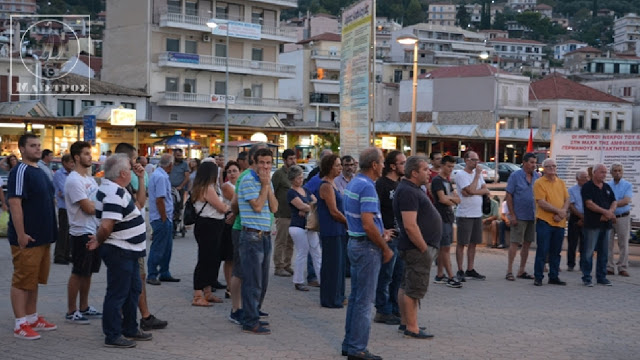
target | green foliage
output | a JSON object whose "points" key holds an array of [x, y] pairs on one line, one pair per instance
{"points": [[463, 18], [71, 7], [415, 13]]}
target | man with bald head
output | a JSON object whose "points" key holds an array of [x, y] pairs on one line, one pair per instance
{"points": [[576, 219], [599, 213]]}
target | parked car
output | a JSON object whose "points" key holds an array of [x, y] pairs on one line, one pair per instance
{"points": [[504, 169], [488, 175]]}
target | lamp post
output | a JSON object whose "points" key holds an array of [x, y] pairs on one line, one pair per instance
{"points": [[497, 174], [214, 23], [412, 40]]}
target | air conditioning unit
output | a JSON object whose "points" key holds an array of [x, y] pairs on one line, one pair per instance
{"points": [[206, 37]]}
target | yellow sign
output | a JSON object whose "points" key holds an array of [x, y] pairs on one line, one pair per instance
{"points": [[389, 142], [123, 117]]}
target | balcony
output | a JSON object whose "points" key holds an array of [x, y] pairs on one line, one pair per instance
{"points": [[218, 63], [236, 104], [324, 100], [199, 23]]}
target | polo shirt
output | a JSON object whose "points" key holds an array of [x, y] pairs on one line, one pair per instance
{"points": [[360, 196], [621, 190], [249, 189], [555, 193], [409, 197], [521, 191], [602, 197], [237, 224], [575, 198], [160, 187]]}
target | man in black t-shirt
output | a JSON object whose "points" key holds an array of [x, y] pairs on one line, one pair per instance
{"points": [[599, 207], [445, 198]]}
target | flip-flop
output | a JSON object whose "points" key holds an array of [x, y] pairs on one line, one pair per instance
{"points": [[510, 277], [526, 276]]}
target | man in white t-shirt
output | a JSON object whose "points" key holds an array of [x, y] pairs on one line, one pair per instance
{"points": [[79, 195], [471, 188]]}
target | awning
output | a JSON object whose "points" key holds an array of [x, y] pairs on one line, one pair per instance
{"points": [[328, 64], [326, 88]]}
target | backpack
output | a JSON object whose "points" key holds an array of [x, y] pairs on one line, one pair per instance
{"points": [[190, 215]]}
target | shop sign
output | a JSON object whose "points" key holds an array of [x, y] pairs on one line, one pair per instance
{"points": [[219, 99], [123, 117], [89, 125], [389, 142]]}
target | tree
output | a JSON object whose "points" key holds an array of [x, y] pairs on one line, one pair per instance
{"points": [[485, 21], [463, 18], [414, 13]]}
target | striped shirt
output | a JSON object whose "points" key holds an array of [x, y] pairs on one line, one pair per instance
{"points": [[249, 189], [360, 196], [114, 202]]}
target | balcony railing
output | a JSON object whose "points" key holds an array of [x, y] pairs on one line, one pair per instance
{"points": [[218, 63], [334, 54], [242, 101]]}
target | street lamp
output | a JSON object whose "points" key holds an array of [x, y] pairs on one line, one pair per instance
{"points": [[483, 56], [412, 40], [214, 23], [497, 173]]}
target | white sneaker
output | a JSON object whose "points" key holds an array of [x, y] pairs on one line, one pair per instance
{"points": [[76, 318], [92, 312]]}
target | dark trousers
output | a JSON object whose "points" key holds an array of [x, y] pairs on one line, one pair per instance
{"points": [[574, 239], [208, 233], [62, 251], [332, 272]]}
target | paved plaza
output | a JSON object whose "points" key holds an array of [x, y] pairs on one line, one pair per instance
{"points": [[492, 319]]}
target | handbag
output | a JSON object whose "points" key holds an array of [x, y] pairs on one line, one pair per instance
{"points": [[486, 204], [313, 224], [190, 215]]}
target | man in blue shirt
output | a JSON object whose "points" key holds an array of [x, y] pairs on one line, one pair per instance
{"points": [[522, 214], [62, 252], [576, 219], [367, 249], [622, 223], [161, 218]]}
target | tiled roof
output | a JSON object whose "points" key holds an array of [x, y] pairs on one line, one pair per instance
{"points": [[571, 42], [586, 49], [94, 62], [97, 86], [556, 87], [519, 41], [322, 37], [464, 71]]}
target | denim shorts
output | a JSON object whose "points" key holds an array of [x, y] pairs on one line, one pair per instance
{"points": [[447, 234]]}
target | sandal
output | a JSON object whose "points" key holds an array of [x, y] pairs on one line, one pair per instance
{"points": [[198, 300], [525, 276], [212, 298], [510, 277], [301, 287]]}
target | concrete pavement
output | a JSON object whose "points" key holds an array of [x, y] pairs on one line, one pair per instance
{"points": [[492, 319]]}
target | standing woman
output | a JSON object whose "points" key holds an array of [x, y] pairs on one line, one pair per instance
{"points": [[305, 242], [193, 170], [232, 171], [208, 232], [333, 233]]}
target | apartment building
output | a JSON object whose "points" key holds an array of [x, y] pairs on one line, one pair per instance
{"points": [[514, 53], [521, 5], [17, 7], [384, 28], [626, 34], [577, 61], [442, 14], [560, 50], [626, 88]]}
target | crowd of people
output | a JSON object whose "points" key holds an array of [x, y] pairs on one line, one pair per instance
{"points": [[380, 219]]}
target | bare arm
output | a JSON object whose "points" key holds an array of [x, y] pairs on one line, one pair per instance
{"points": [[624, 201], [17, 217], [608, 213], [3, 200], [300, 205], [227, 191], [141, 194], [214, 200], [87, 206], [328, 195], [105, 229], [410, 221], [445, 199], [185, 181]]}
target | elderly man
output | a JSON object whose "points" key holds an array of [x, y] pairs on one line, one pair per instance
{"points": [[121, 240], [552, 204], [576, 219], [348, 170], [160, 216], [623, 191], [599, 213], [283, 244], [367, 249], [521, 214]]}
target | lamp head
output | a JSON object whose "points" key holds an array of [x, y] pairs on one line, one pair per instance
{"points": [[407, 39], [212, 23]]}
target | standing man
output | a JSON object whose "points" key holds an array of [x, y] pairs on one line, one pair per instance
{"points": [[256, 202], [243, 161], [445, 199], [283, 247], [80, 193], [434, 170], [122, 240], [179, 177], [62, 252], [367, 250], [160, 216], [623, 191], [469, 214], [521, 214], [31, 230], [348, 169], [420, 233], [552, 204], [45, 162], [599, 213], [576, 220], [386, 185]]}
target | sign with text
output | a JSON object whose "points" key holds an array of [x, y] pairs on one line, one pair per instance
{"points": [[89, 129], [575, 151], [219, 99], [239, 29], [123, 117], [184, 58]]}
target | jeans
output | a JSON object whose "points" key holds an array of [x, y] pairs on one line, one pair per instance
{"points": [[549, 240], [123, 290], [574, 241], [383, 300], [255, 253], [595, 240], [306, 243], [160, 250], [365, 259], [503, 229], [311, 273], [332, 272]]}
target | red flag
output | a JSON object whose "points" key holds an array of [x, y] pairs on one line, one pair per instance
{"points": [[530, 143]]}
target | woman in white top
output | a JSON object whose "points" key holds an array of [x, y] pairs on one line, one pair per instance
{"points": [[208, 232], [226, 252]]}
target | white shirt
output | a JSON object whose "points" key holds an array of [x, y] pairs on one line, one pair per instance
{"points": [[470, 206], [505, 208], [77, 188], [209, 211]]}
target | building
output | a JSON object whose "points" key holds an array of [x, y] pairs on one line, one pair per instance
{"points": [[308, 26], [442, 14], [577, 61], [560, 50], [626, 88], [614, 65], [544, 10], [17, 7], [574, 106], [626, 34], [491, 34], [521, 5], [384, 29], [515, 53]]}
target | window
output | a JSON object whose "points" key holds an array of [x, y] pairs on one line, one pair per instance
{"points": [[189, 86], [221, 10], [256, 54], [568, 122], [87, 103], [397, 76], [616, 68], [620, 125], [191, 8], [106, 103], [581, 121], [221, 50], [191, 47], [65, 108], [390, 101], [220, 88], [626, 91], [171, 84], [546, 118], [594, 124], [173, 6], [127, 105], [256, 15], [256, 90], [173, 45], [607, 121]]}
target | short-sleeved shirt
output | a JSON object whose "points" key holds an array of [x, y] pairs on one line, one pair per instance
{"points": [[114, 202], [360, 196], [504, 208], [35, 189], [602, 197], [495, 210], [386, 189], [59, 179], [553, 192], [296, 219], [78, 188], [521, 191], [621, 190], [237, 224], [470, 206], [313, 185], [160, 187], [575, 198], [281, 186], [177, 173], [341, 183], [409, 197], [134, 181], [44, 167], [446, 211], [249, 189]]}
